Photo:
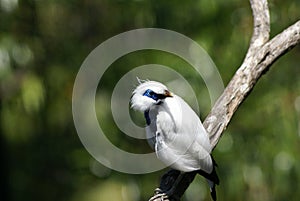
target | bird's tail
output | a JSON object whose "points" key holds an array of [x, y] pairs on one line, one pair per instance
{"points": [[212, 179]]}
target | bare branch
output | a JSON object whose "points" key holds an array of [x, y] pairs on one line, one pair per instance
{"points": [[261, 22], [245, 79], [261, 54]]}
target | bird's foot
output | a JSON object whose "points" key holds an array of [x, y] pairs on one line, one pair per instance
{"points": [[159, 195]]}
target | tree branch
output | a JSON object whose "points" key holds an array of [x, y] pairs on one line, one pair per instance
{"points": [[246, 77], [261, 54], [261, 25]]}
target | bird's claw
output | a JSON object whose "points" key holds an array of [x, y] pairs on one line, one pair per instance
{"points": [[159, 195]]}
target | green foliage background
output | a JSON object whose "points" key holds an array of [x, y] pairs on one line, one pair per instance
{"points": [[42, 46]]}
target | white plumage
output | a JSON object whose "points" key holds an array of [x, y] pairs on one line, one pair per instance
{"points": [[174, 129]]}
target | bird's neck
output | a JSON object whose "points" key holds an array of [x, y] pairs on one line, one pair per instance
{"points": [[147, 117]]}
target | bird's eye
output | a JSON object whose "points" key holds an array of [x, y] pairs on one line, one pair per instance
{"points": [[151, 94], [148, 92]]}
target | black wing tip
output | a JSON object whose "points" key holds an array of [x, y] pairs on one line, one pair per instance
{"points": [[214, 174], [212, 178], [215, 177], [213, 193], [215, 180]]}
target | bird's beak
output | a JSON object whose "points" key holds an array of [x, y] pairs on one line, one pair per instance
{"points": [[168, 94]]}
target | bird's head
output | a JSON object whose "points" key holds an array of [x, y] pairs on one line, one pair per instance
{"points": [[148, 94]]}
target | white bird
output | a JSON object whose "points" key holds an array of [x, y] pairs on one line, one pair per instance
{"points": [[175, 131]]}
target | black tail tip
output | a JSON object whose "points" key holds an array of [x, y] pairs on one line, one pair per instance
{"points": [[213, 194]]}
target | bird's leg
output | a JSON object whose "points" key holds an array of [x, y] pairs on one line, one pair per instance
{"points": [[167, 180], [175, 181], [173, 185], [166, 183], [172, 191], [181, 184]]}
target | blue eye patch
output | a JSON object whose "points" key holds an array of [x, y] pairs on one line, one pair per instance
{"points": [[151, 94]]}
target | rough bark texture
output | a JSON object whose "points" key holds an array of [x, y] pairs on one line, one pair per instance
{"points": [[262, 53]]}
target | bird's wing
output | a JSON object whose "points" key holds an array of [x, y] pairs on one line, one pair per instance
{"points": [[192, 128], [150, 134], [202, 156]]}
